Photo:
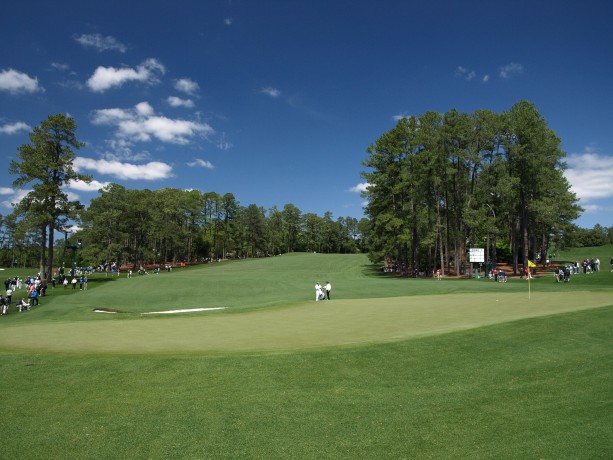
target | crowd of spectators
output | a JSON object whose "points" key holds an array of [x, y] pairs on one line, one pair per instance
{"points": [[34, 287]]}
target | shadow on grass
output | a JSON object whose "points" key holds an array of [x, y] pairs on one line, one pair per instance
{"points": [[91, 281], [375, 271]]}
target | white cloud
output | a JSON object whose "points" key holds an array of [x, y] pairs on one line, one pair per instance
{"points": [[485, 78], [15, 196], [16, 82], [141, 124], [178, 102], [223, 143], [590, 175], [153, 170], [399, 117], [60, 66], [73, 229], [187, 86], [93, 186], [270, 91], [100, 43], [105, 78], [144, 109], [510, 70], [228, 21], [201, 163], [466, 74], [72, 196], [360, 188], [14, 128], [121, 150]]}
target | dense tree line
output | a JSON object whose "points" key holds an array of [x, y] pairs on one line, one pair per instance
{"points": [[440, 184], [169, 225], [144, 226]]}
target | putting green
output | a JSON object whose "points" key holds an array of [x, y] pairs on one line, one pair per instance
{"points": [[303, 326]]}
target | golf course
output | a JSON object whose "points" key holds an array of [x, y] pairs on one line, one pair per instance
{"points": [[236, 359]]}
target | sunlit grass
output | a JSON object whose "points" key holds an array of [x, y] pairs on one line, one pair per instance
{"points": [[469, 379]]}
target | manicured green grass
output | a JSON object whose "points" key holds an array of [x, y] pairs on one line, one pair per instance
{"points": [[536, 388], [390, 368]]}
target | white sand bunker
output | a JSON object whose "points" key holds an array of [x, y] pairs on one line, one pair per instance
{"points": [[167, 312]]}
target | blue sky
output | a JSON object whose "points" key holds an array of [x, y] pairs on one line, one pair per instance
{"points": [[277, 101]]}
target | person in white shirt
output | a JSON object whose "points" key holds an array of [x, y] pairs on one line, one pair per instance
{"points": [[318, 292], [328, 288], [22, 305]]}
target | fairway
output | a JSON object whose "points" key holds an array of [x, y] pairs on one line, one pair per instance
{"points": [[308, 325]]}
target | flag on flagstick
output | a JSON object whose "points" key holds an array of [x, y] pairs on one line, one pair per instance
{"points": [[530, 265]]}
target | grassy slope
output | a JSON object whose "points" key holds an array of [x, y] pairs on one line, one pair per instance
{"points": [[539, 387], [604, 253]]}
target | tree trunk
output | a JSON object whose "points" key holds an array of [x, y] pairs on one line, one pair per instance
{"points": [[49, 275], [43, 245]]}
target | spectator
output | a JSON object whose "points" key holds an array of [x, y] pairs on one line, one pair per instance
{"points": [[22, 305], [34, 296]]}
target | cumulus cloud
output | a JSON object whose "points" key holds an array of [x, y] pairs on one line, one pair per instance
{"points": [[201, 164], [154, 170], [589, 174], [187, 86], [270, 91], [105, 78], [174, 101], [14, 128], [360, 188], [15, 82], [510, 70], [100, 43], [13, 196], [93, 186], [142, 124]]}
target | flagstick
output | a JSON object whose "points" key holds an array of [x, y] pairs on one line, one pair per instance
{"points": [[528, 288]]}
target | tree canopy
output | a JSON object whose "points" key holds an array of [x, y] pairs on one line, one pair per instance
{"points": [[46, 163], [438, 184], [442, 183]]}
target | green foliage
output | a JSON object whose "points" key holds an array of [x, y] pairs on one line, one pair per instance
{"points": [[582, 237], [47, 164], [439, 184]]}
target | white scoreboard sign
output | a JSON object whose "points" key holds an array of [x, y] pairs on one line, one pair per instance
{"points": [[477, 255]]}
